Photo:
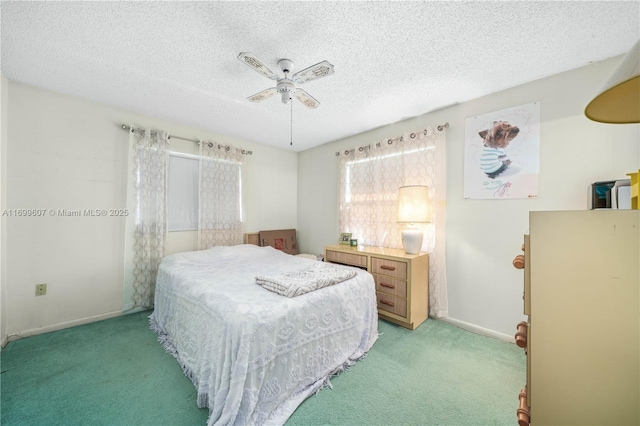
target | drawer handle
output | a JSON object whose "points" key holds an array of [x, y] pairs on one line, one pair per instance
{"points": [[387, 285], [518, 262], [521, 334], [384, 302], [388, 268], [524, 418]]}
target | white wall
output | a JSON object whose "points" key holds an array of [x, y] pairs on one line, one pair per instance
{"points": [[483, 236], [67, 153], [3, 182]]}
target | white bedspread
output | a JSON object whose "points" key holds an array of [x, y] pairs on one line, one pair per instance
{"points": [[254, 355]]}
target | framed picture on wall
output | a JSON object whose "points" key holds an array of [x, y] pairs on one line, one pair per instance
{"points": [[345, 238], [502, 154]]}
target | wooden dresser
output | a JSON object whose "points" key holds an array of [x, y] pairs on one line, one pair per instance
{"points": [[582, 336], [402, 280]]}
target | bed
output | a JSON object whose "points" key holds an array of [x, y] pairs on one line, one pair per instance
{"points": [[253, 355]]}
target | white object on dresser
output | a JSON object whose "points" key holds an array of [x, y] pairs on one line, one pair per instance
{"points": [[402, 280]]}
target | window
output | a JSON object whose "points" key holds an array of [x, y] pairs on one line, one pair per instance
{"points": [[369, 182], [182, 192], [221, 192]]}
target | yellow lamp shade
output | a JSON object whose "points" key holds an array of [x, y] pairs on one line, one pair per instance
{"points": [[619, 101]]}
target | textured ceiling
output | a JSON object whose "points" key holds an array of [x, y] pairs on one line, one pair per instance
{"points": [[393, 60]]}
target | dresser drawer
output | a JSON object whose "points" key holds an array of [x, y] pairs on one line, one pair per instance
{"points": [[392, 304], [401, 280], [390, 285], [346, 258], [392, 268]]}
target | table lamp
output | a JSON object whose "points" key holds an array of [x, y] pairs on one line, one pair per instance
{"points": [[413, 208]]}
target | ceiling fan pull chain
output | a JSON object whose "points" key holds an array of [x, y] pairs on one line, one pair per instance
{"points": [[291, 140]]}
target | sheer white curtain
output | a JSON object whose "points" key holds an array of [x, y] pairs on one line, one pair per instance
{"points": [[221, 220], [149, 165], [370, 177]]}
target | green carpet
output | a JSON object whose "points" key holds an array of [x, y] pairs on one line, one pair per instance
{"points": [[114, 372]]}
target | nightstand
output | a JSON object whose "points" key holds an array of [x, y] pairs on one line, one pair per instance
{"points": [[402, 280]]}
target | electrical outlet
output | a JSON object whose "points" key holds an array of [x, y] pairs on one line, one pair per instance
{"points": [[41, 289]]}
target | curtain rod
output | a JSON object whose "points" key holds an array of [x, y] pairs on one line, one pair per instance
{"points": [[440, 128], [127, 128]]}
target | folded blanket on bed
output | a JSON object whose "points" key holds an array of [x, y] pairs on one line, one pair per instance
{"points": [[295, 283]]}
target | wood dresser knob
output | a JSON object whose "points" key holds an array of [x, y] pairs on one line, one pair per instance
{"points": [[518, 261], [523, 409], [521, 334]]}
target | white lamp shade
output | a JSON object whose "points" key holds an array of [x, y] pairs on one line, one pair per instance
{"points": [[413, 204], [619, 101]]}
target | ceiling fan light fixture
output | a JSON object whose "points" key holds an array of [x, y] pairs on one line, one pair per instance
{"points": [[287, 89], [286, 85]]}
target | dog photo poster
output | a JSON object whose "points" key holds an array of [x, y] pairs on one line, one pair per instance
{"points": [[502, 154]]}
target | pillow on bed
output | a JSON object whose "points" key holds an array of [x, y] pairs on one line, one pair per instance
{"points": [[308, 256]]}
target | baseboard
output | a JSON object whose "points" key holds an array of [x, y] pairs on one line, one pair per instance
{"points": [[63, 325], [478, 330]]}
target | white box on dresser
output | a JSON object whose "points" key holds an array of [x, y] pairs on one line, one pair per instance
{"points": [[582, 295]]}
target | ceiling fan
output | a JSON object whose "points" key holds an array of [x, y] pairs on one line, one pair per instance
{"points": [[286, 85]]}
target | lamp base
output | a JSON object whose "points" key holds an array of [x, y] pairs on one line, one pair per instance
{"points": [[412, 240]]}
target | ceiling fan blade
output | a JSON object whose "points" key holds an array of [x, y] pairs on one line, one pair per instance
{"points": [[257, 65], [261, 96], [314, 72], [308, 100]]}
